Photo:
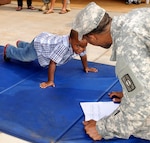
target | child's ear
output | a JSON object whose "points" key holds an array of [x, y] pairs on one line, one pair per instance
{"points": [[84, 40], [69, 40]]}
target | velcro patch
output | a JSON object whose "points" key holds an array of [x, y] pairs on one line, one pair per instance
{"points": [[126, 79]]}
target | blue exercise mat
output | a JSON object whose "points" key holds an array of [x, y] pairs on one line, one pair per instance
{"points": [[52, 115]]}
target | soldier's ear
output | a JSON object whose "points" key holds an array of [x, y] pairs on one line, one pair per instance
{"points": [[89, 37]]}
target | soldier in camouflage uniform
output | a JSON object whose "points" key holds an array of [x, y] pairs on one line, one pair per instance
{"points": [[129, 36]]}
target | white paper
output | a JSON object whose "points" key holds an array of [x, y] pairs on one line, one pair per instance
{"points": [[97, 110]]}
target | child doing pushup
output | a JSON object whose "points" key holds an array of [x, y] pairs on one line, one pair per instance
{"points": [[51, 50]]}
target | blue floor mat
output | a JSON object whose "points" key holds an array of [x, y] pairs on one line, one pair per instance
{"points": [[52, 115]]}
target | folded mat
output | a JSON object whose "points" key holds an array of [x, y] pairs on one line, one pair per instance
{"points": [[53, 114]]}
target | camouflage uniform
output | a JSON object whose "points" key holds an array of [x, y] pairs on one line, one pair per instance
{"points": [[131, 49]]}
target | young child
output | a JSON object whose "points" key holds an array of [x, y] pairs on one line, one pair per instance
{"points": [[51, 50]]}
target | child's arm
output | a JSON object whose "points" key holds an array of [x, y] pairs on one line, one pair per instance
{"points": [[51, 72], [85, 65]]}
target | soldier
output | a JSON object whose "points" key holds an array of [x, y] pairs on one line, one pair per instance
{"points": [[129, 36]]}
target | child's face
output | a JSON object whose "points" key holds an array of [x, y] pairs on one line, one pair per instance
{"points": [[78, 46]]}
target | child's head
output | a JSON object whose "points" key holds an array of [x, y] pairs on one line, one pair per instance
{"points": [[77, 46]]}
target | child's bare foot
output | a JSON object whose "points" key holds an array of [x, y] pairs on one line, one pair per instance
{"points": [[5, 57]]}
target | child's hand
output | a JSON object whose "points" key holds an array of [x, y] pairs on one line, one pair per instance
{"points": [[90, 70], [47, 84]]}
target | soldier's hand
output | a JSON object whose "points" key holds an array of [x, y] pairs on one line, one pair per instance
{"points": [[90, 129], [116, 96]]}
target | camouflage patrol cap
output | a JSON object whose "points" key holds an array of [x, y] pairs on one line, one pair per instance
{"points": [[88, 19]]}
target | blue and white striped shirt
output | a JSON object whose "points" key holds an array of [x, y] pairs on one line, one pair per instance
{"points": [[53, 47]]}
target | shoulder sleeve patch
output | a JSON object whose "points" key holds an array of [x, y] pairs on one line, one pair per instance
{"points": [[127, 81], [131, 85]]}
